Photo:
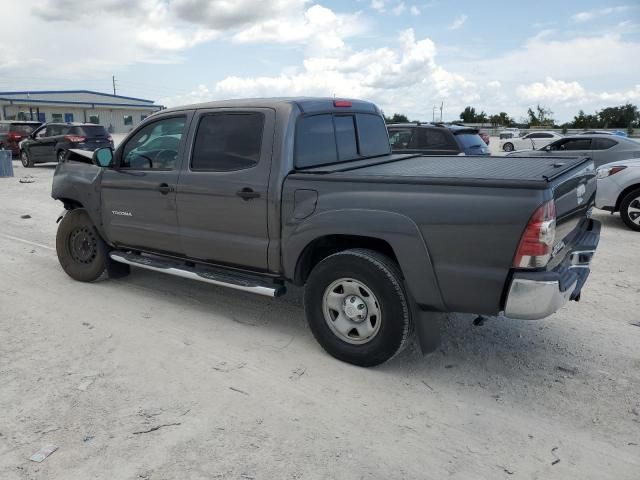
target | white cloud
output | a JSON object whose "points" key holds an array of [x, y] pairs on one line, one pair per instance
{"points": [[399, 8], [415, 11], [591, 14], [399, 78], [572, 93], [458, 22], [378, 5], [494, 84]]}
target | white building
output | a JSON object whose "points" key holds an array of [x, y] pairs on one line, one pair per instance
{"points": [[117, 113]]}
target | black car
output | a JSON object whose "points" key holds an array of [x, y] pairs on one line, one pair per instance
{"points": [[13, 131], [50, 142], [436, 139]]}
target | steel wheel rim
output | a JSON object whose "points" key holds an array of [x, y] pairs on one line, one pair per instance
{"points": [[633, 210], [83, 245], [351, 311], [60, 156]]}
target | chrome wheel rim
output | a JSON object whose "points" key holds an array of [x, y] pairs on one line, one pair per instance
{"points": [[24, 158], [60, 157], [351, 311], [633, 210]]}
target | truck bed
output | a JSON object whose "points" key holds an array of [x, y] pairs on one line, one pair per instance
{"points": [[531, 172]]}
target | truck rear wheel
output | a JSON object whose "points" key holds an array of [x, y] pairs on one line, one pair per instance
{"points": [[357, 308], [82, 253]]}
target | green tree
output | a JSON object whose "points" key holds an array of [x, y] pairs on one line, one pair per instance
{"points": [[541, 116], [468, 115], [619, 117], [396, 118]]}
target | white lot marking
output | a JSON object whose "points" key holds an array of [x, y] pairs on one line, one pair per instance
{"points": [[9, 237]]}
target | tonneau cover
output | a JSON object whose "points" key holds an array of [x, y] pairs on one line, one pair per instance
{"points": [[517, 169]]}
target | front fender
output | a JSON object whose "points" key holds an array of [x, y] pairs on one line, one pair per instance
{"points": [[400, 232]]}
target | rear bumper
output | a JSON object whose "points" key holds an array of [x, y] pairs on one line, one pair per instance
{"points": [[535, 295]]}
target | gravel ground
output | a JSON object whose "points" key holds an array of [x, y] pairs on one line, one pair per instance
{"points": [[154, 377]]}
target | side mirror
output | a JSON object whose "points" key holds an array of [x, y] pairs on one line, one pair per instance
{"points": [[103, 157]]}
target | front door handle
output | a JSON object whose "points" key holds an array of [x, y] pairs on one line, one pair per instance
{"points": [[247, 193], [165, 188]]}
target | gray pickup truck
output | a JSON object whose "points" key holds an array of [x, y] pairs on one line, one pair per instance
{"points": [[258, 194]]}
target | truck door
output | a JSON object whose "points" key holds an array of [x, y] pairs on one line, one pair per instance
{"points": [[223, 191], [139, 193]]}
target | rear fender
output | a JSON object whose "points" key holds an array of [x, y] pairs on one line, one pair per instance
{"points": [[400, 232]]}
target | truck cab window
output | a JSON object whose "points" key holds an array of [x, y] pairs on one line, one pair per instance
{"points": [[227, 142], [155, 146]]}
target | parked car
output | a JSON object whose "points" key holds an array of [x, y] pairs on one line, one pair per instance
{"points": [[13, 131], [530, 141], [436, 139], [258, 194], [509, 132], [619, 133], [51, 141], [619, 190], [601, 148], [485, 137]]}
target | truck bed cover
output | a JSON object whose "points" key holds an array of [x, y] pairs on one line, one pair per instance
{"points": [[532, 172]]}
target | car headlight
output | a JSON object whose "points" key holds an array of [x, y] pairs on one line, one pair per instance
{"points": [[607, 172]]}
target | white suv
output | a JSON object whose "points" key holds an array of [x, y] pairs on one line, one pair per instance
{"points": [[619, 190], [530, 141]]}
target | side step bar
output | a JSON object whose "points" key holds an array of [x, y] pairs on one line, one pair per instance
{"points": [[220, 277]]}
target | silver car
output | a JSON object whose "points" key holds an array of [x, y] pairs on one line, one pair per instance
{"points": [[601, 148]]}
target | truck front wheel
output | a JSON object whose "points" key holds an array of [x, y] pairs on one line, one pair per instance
{"points": [[82, 253], [357, 308]]}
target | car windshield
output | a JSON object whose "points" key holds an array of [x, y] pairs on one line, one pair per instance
{"points": [[470, 140]]}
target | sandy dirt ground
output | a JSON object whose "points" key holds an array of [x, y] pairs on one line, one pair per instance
{"points": [[154, 377]]}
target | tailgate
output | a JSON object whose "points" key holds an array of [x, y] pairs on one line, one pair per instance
{"points": [[574, 193]]}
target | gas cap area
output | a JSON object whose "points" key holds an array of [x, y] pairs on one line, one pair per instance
{"points": [[304, 203]]}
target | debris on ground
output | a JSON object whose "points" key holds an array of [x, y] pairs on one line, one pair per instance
{"points": [[27, 179], [479, 321], [43, 453], [25, 216], [506, 470], [553, 452], [297, 373], [157, 427], [569, 370], [238, 390], [635, 324]]}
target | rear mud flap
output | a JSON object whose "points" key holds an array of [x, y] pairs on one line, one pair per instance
{"points": [[428, 329]]}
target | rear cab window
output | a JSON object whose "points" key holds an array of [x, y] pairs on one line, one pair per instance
{"points": [[90, 131], [328, 138]]}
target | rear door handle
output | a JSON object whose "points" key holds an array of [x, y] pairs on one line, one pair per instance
{"points": [[247, 193], [165, 188]]}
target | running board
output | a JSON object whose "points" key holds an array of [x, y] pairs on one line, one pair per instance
{"points": [[223, 278]]}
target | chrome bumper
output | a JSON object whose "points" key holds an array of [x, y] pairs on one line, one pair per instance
{"points": [[537, 295], [532, 299]]}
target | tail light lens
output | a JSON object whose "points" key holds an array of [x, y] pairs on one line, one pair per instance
{"points": [[536, 243], [75, 138], [607, 172], [13, 136]]}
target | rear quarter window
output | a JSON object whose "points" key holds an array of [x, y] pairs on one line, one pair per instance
{"points": [[330, 138], [467, 140], [91, 131]]}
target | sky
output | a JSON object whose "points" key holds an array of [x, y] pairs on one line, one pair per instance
{"points": [[405, 55]]}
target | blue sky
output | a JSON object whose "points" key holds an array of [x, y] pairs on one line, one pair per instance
{"points": [[404, 55]]}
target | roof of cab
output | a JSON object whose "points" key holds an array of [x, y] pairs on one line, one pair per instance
{"points": [[305, 104]]}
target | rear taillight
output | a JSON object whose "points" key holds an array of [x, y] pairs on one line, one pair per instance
{"points": [[74, 138], [13, 136], [536, 243]]}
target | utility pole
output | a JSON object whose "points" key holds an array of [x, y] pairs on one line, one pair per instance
{"points": [[433, 114], [441, 107], [113, 80]]}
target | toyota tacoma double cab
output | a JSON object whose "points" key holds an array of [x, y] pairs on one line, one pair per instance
{"points": [[260, 194]]}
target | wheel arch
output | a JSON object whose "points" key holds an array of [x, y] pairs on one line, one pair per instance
{"points": [[391, 234], [624, 193]]}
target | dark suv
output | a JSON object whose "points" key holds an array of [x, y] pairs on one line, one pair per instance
{"points": [[50, 142], [436, 139], [12, 131]]}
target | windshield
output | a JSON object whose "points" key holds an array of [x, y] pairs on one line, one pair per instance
{"points": [[470, 140]]}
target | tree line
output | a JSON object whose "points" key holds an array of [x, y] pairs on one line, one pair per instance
{"points": [[623, 116]]}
